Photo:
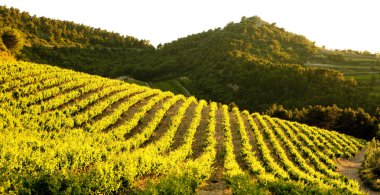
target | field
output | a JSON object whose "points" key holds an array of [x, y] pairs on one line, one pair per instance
{"points": [[67, 132], [362, 67]]}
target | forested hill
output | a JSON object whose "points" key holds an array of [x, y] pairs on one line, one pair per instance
{"points": [[75, 46], [255, 64], [251, 35], [57, 33]]}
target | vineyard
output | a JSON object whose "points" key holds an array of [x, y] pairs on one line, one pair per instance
{"points": [[67, 132]]}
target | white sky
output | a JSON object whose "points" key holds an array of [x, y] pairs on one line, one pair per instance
{"points": [[340, 24]]}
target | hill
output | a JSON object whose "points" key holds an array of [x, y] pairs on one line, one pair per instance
{"points": [[68, 132], [75, 46], [255, 64]]}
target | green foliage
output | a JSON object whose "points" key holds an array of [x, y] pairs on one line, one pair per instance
{"points": [[357, 122], [2, 46], [173, 85], [280, 112], [12, 39], [370, 172], [359, 65], [49, 32], [243, 184], [184, 184], [336, 57], [103, 61], [290, 187], [71, 45], [377, 113]]}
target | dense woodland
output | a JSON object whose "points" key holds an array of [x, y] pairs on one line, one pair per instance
{"points": [[252, 63]]}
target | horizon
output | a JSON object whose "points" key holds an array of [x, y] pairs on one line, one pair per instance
{"points": [[333, 26]]}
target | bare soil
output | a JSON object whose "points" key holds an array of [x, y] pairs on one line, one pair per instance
{"points": [[350, 168], [236, 139], [200, 137], [181, 132], [129, 113], [252, 139], [164, 124]]}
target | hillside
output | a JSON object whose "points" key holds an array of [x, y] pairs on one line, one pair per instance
{"points": [[57, 33], [75, 46], [67, 132], [363, 66], [255, 64]]}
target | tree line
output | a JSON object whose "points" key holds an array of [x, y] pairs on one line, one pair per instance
{"points": [[355, 122]]}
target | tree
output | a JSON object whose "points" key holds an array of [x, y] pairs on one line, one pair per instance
{"points": [[279, 111], [373, 79], [377, 113], [12, 39]]}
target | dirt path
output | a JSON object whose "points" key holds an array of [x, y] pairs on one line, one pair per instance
{"points": [[350, 168]]}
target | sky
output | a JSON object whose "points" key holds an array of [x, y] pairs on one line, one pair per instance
{"points": [[336, 24]]}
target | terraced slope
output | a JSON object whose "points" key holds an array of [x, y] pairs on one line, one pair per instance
{"points": [[67, 132]]}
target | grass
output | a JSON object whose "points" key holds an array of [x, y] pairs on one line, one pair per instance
{"points": [[173, 85], [170, 85]]}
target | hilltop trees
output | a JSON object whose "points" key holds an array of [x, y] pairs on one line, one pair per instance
{"points": [[70, 45], [49, 32]]}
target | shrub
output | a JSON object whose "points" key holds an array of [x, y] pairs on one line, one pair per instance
{"points": [[12, 39], [172, 184], [370, 172]]}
